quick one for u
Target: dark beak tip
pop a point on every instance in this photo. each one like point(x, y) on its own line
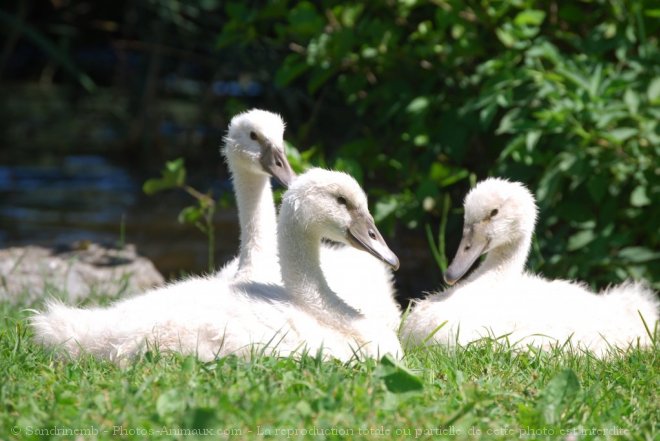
point(451, 276)
point(275, 163)
point(284, 179)
point(285, 182)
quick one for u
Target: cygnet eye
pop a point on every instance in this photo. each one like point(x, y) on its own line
point(494, 212)
point(253, 136)
point(372, 234)
point(341, 200)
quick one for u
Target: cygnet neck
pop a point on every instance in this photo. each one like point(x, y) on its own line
point(505, 260)
point(303, 278)
point(258, 223)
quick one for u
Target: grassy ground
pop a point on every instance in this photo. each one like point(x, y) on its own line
point(482, 391)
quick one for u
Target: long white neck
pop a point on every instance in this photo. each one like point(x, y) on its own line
point(505, 260)
point(258, 222)
point(302, 275)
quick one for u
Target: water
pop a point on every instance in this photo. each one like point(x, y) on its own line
point(89, 198)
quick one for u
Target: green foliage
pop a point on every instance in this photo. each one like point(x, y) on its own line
point(438, 249)
point(397, 378)
point(172, 176)
point(416, 97)
point(558, 395)
point(200, 215)
point(588, 129)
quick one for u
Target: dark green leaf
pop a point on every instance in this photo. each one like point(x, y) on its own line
point(623, 133)
point(418, 105)
point(154, 185)
point(638, 254)
point(632, 101)
point(202, 417)
point(506, 37)
point(653, 91)
point(385, 208)
point(486, 114)
point(580, 239)
point(305, 20)
point(532, 138)
point(509, 122)
point(191, 215)
point(397, 378)
point(172, 176)
point(533, 17)
point(638, 197)
point(557, 396)
point(291, 69)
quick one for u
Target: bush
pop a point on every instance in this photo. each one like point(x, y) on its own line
point(418, 99)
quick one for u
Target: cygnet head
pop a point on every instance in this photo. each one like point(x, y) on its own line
point(255, 143)
point(329, 204)
point(498, 213)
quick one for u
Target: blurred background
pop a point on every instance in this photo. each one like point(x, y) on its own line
point(416, 99)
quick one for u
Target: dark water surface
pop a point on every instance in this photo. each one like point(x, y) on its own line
point(89, 198)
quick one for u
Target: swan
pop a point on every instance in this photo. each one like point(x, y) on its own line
point(500, 298)
point(322, 204)
point(254, 150)
point(209, 319)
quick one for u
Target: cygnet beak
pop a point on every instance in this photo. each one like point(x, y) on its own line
point(363, 235)
point(275, 163)
point(473, 244)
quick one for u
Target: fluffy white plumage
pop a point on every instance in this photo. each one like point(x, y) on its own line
point(500, 299)
point(204, 317)
point(197, 316)
point(324, 204)
point(345, 268)
point(251, 136)
point(352, 271)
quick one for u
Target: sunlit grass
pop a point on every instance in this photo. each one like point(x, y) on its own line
point(484, 390)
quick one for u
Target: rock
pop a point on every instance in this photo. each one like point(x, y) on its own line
point(74, 272)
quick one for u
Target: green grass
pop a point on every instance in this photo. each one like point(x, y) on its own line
point(482, 391)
